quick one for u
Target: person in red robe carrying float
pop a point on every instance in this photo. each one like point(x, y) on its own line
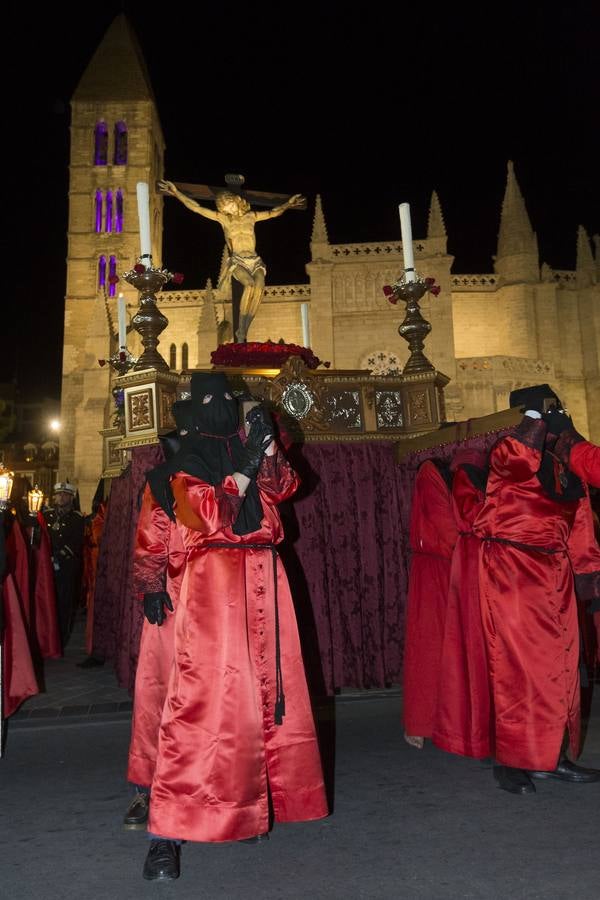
point(462, 722)
point(433, 534)
point(537, 549)
point(236, 729)
point(158, 566)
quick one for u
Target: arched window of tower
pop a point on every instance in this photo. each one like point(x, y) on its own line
point(119, 211)
point(98, 211)
point(184, 356)
point(172, 356)
point(101, 144)
point(109, 212)
point(120, 155)
point(102, 272)
point(112, 276)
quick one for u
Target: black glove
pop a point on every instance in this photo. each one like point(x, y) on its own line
point(262, 416)
point(154, 607)
point(259, 438)
point(557, 421)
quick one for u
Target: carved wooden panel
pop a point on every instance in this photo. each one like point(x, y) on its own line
point(141, 409)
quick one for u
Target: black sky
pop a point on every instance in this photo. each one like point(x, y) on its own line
point(367, 108)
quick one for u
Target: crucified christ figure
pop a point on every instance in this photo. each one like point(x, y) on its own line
point(238, 220)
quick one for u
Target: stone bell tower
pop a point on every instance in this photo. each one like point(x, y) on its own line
point(116, 141)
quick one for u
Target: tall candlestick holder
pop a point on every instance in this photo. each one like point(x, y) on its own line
point(149, 322)
point(414, 328)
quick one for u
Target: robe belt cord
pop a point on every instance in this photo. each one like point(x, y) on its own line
point(521, 546)
point(279, 711)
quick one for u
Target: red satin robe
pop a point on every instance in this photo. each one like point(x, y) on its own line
point(220, 754)
point(91, 551)
point(462, 721)
point(18, 676)
point(17, 556)
point(159, 563)
point(433, 534)
point(44, 596)
point(528, 602)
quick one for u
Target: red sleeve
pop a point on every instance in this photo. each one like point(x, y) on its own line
point(466, 497)
point(519, 456)
point(151, 547)
point(205, 508)
point(584, 554)
point(276, 479)
point(584, 460)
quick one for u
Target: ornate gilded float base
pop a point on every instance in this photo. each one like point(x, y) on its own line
point(326, 405)
point(112, 455)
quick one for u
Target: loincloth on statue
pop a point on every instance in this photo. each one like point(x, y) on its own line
point(251, 263)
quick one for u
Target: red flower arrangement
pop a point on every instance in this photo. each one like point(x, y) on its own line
point(266, 354)
point(140, 268)
point(390, 290)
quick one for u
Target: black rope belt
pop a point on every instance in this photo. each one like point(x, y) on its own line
point(520, 546)
point(279, 711)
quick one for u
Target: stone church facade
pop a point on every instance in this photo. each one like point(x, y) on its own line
point(491, 332)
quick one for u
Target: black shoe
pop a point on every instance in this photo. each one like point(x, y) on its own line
point(90, 662)
point(515, 781)
point(162, 861)
point(137, 812)
point(256, 839)
point(568, 771)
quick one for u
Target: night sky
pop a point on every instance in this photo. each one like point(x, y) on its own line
point(365, 108)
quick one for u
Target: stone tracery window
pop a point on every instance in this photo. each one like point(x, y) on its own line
point(381, 362)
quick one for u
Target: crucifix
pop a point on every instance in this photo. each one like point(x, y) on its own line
point(245, 270)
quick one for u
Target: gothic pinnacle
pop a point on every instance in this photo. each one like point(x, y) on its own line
point(435, 225)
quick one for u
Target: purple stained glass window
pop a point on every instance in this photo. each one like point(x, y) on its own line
point(109, 212)
point(120, 158)
point(102, 272)
point(101, 144)
point(119, 212)
point(98, 209)
point(112, 273)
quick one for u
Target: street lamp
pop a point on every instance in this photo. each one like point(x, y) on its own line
point(35, 499)
point(54, 425)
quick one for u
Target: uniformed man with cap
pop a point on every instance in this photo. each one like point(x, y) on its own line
point(66, 527)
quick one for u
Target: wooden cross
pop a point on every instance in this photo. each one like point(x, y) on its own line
point(234, 184)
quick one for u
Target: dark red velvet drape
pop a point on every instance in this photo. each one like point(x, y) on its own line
point(345, 556)
point(117, 614)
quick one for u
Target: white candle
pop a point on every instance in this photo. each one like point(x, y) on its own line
point(407, 246)
point(122, 321)
point(305, 325)
point(143, 203)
